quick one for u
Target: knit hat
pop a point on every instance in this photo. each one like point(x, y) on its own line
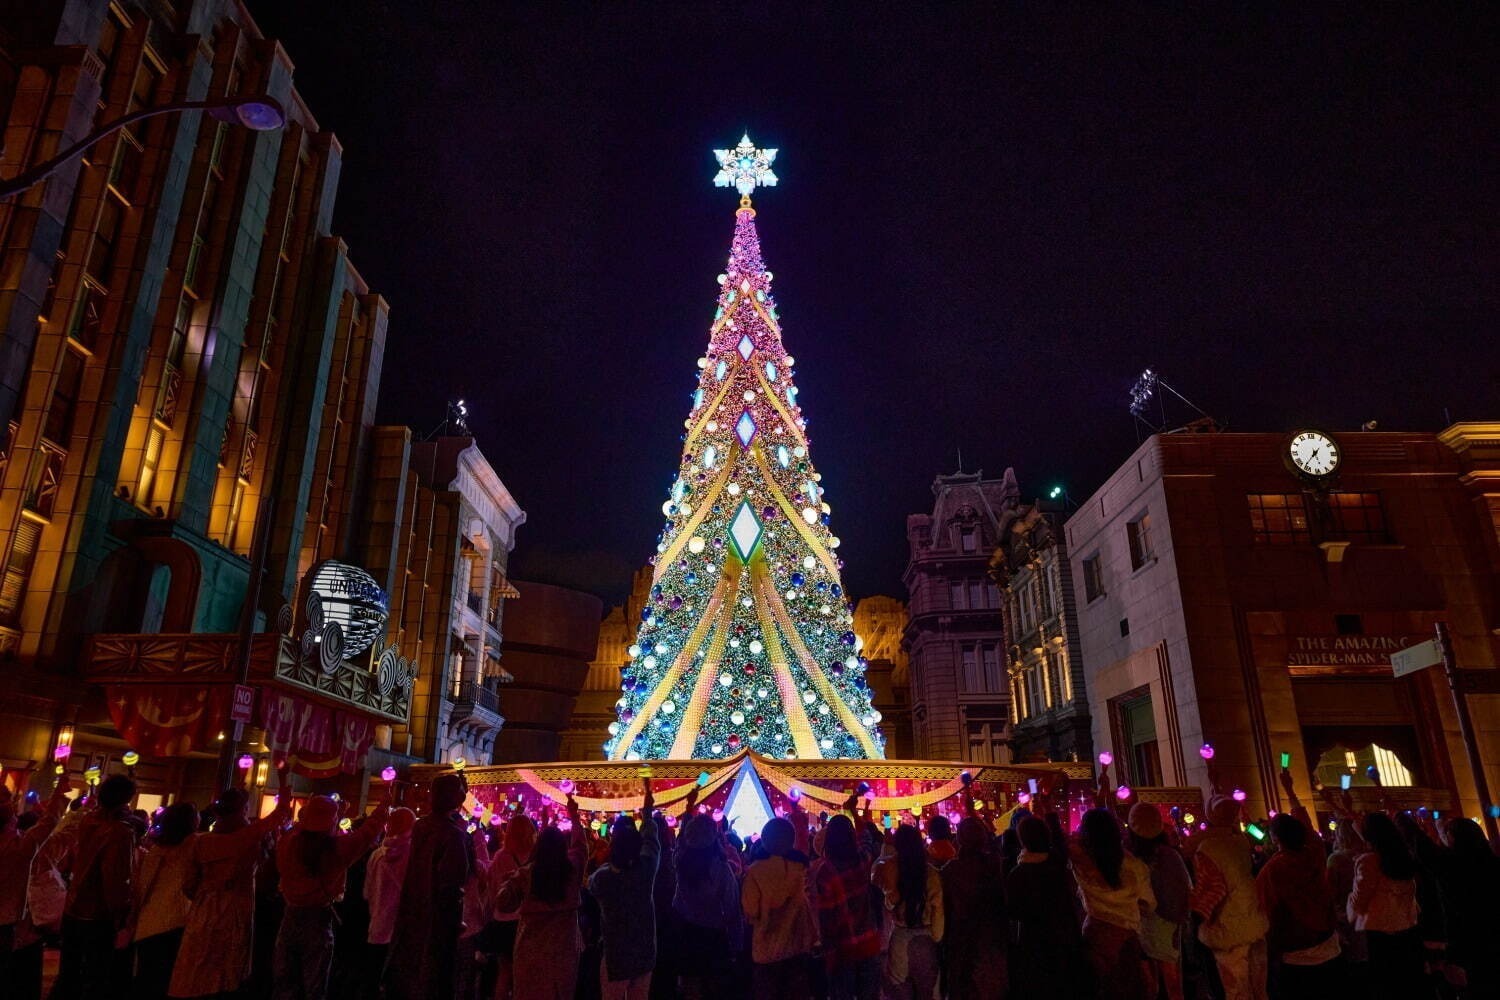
point(1223, 811)
point(1145, 821)
point(320, 814)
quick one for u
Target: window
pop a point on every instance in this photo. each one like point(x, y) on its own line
point(987, 742)
point(1139, 532)
point(1124, 627)
point(1339, 761)
point(976, 594)
point(973, 679)
point(59, 426)
point(992, 675)
point(956, 595)
point(1093, 578)
point(18, 569)
point(968, 539)
point(1137, 727)
point(1278, 519)
point(1034, 696)
point(150, 460)
point(1047, 595)
point(1028, 607)
point(87, 319)
point(1357, 517)
point(1054, 680)
point(106, 235)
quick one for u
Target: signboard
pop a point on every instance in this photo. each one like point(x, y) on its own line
point(352, 598)
point(1343, 650)
point(243, 706)
point(1414, 658)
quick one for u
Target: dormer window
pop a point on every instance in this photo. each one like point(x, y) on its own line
point(968, 539)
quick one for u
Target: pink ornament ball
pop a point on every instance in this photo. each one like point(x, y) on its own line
point(1106, 758)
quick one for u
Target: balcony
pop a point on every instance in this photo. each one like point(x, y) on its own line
point(275, 660)
point(476, 707)
point(476, 603)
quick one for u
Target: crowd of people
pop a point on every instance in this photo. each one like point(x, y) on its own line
point(1130, 904)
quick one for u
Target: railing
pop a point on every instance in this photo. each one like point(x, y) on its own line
point(476, 603)
point(213, 659)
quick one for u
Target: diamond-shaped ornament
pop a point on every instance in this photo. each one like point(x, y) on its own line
point(745, 429)
point(744, 531)
point(746, 346)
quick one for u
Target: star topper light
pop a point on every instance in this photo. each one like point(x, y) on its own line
point(744, 167)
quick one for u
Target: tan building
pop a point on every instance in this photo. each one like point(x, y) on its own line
point(595, 709)
point(1227, 596)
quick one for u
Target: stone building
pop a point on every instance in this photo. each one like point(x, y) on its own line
point(1048, 698)
point(955, 632)
point(1227, 597)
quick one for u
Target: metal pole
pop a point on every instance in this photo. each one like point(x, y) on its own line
point(1466, 732)
point(43, 170)
point(258, 547)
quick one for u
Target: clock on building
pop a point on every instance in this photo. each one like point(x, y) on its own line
point(1313, 454)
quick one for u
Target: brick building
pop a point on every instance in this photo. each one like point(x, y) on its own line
point(1225, 598)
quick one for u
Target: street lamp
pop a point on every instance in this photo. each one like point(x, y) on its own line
point(260, 114)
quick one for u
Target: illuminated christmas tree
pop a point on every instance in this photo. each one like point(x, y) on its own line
point(747, 639)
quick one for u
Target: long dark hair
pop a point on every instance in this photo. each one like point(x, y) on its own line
point(911, 874)
point(839, 845)
point(316, 851)
point(550, 867)
point(698, 851)
point(1467, 841)
point(1100, 837)
point(1385, 840)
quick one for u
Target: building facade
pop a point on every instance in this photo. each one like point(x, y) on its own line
point(881, 622)
point(1223, 599)
point(1048, 694)
point(955, 631)
point(552, 637)
point(193, 490)
point(588, 727)
point(454, 541)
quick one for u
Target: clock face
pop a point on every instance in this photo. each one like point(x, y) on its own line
point(1314, 453)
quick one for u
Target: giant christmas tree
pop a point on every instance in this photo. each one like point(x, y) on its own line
point(747, 640)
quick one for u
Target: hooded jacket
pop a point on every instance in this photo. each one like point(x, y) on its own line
point(384, 876)
point(775, 901)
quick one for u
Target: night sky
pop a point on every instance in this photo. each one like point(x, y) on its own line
point(986, 227)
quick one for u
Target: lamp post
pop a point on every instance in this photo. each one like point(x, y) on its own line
point(261, 114)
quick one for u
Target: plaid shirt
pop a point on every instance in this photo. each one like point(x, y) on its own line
point(845, 920)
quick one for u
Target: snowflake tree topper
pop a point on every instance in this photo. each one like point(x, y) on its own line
point(744, 167)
